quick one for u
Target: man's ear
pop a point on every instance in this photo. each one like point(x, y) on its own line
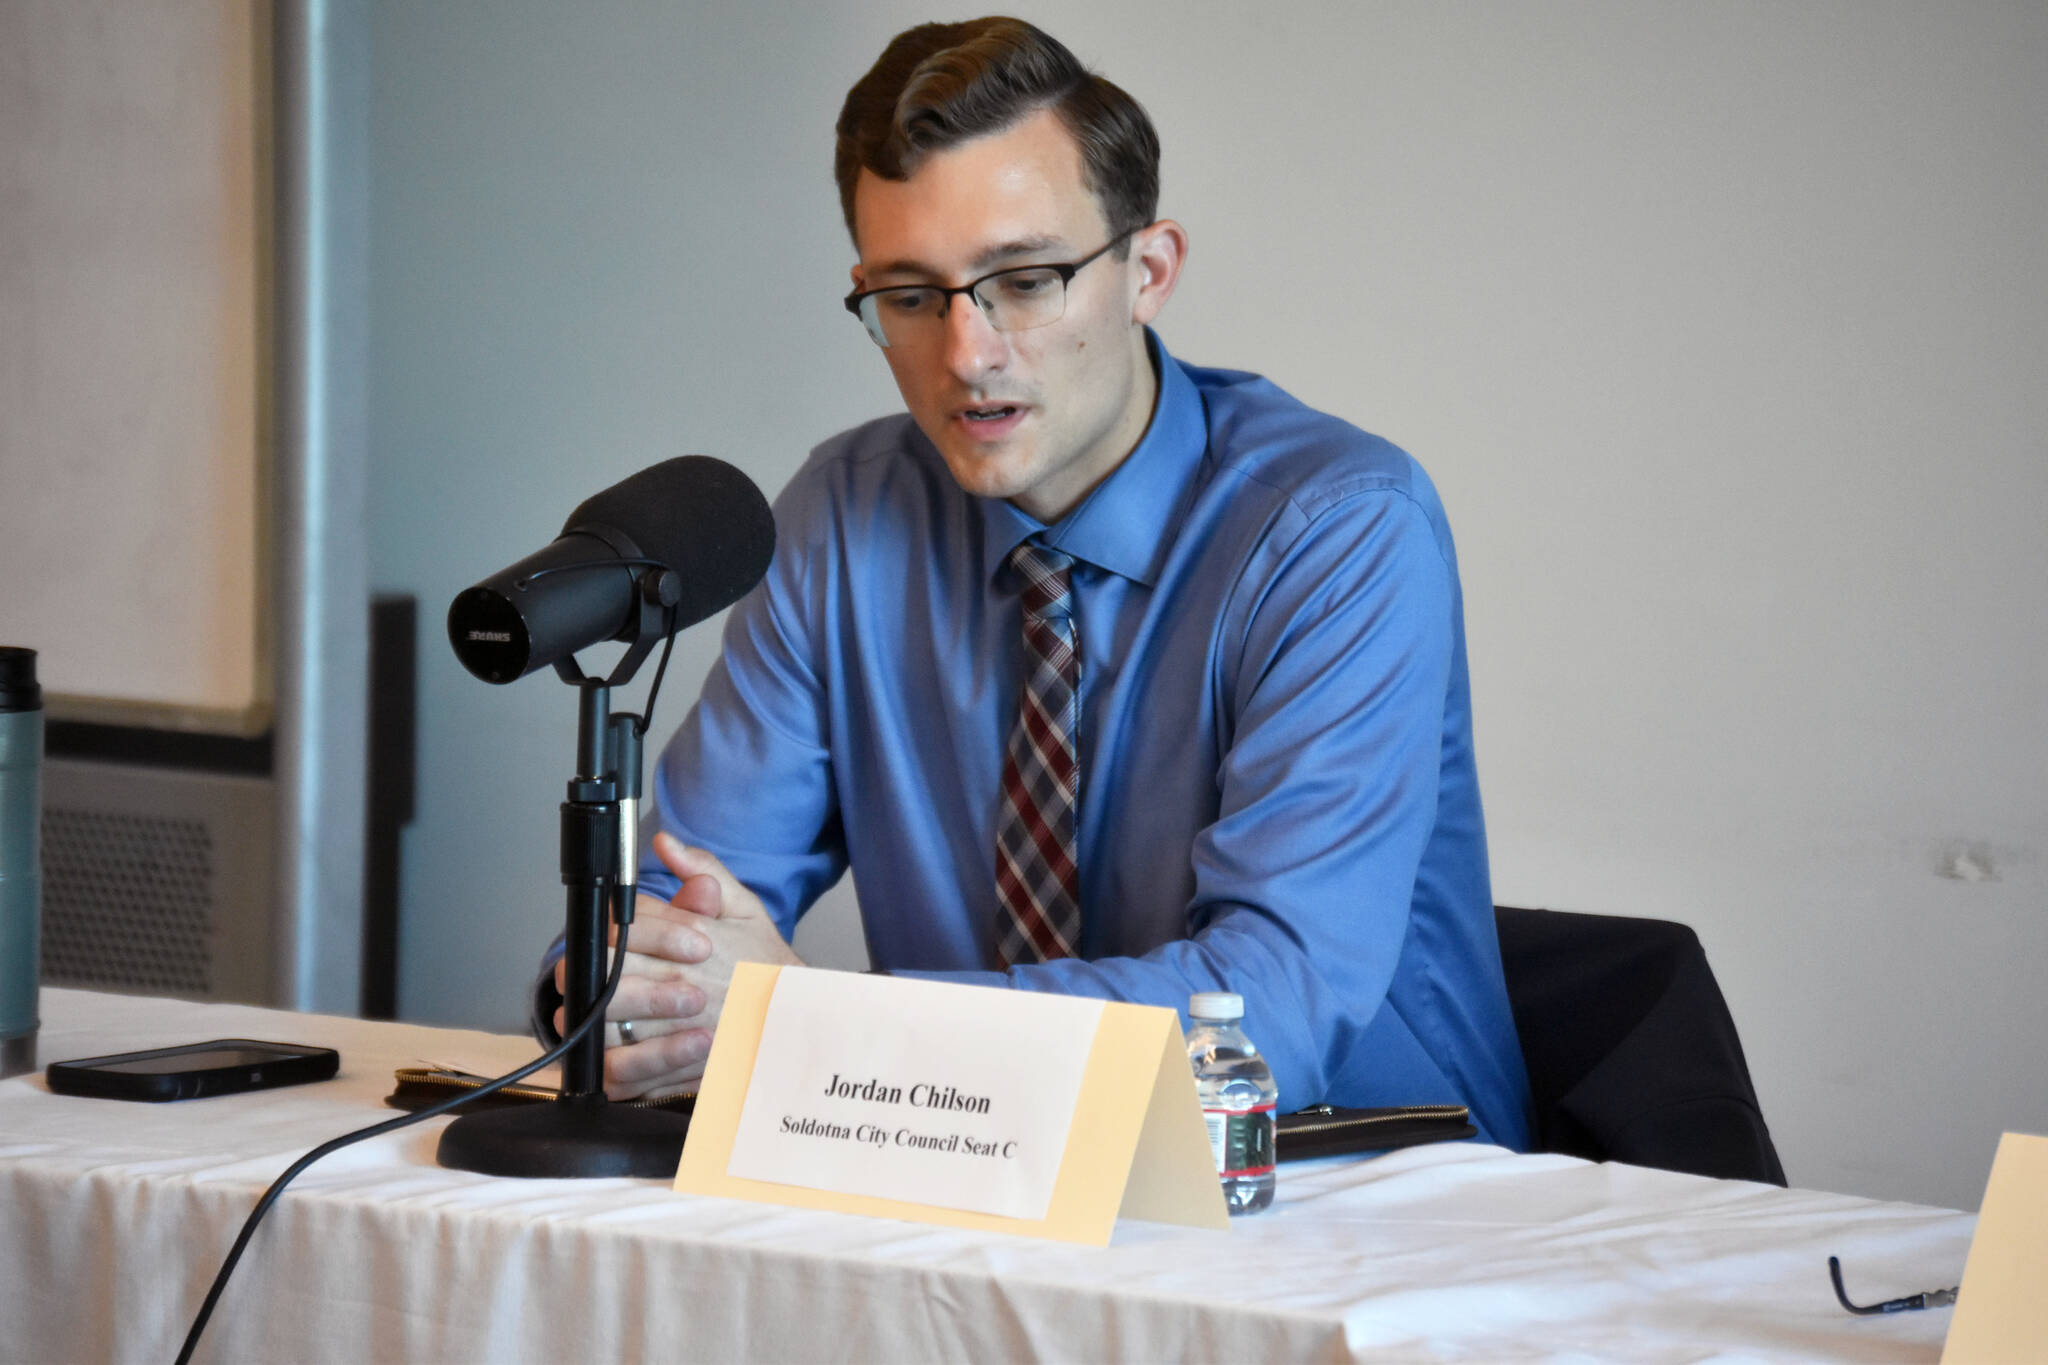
point(1157, 254)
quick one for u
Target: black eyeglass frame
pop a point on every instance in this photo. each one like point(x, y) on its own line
point(1066, 270)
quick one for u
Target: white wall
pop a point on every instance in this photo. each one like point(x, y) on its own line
point(1721, 328)
point(132, 351)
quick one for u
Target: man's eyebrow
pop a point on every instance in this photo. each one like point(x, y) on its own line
point(993, 258)
point(989, 258)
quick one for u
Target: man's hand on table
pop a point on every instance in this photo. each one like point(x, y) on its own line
point(679, 962)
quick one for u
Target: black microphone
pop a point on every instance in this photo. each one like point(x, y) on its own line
point(698, 518)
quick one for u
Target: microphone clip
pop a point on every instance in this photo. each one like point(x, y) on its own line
point(659, 589)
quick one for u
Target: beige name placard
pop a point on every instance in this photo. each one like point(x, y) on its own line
point(2001, 1314)
point(1005, 1111)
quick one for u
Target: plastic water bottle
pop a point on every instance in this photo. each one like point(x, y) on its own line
point(1239, 1099)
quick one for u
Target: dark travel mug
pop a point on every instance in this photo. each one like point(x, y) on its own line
point(21, 862)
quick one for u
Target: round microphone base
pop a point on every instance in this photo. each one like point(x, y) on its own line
point(581, 1137)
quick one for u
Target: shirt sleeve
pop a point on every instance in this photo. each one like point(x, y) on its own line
point(1335, 711)
point(748, 775)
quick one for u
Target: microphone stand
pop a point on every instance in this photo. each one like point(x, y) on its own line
point(581, 1133)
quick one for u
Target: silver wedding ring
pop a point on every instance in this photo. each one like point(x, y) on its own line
point(626, 1031)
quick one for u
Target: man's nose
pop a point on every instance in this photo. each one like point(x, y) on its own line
point(974, 348)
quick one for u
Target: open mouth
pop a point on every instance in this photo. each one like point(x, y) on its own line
point(990, 414)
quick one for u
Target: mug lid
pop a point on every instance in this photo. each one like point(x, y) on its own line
point(19, 690)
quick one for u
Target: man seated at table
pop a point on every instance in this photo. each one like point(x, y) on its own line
point(1104, 673)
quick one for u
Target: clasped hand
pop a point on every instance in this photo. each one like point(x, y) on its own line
point(680, 955)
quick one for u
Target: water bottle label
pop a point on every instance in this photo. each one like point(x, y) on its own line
point(1242, 1140)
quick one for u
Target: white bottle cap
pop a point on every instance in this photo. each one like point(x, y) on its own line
point(1219, 1006)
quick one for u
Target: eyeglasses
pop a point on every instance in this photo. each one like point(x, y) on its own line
point(1013, 300)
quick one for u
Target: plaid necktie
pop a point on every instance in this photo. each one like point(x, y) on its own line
point(1037, 880)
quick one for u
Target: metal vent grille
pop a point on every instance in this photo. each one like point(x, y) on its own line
point(128, 901)
point(159, 881)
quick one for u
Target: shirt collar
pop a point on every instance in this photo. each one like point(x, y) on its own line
point(1124, 525)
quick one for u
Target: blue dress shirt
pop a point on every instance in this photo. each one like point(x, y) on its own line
point(1278, 795)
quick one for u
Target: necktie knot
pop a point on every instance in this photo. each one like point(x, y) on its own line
point(1047, 578)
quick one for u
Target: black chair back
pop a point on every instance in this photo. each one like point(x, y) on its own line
point(1632, 1053)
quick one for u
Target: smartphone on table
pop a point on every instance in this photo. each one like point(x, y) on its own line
point(223, 1066)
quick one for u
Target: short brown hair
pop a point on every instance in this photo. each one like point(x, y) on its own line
point(938, 85)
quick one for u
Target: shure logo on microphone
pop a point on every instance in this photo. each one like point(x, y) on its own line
point(496, 637)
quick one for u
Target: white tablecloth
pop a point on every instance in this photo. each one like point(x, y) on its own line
point(115, 1216)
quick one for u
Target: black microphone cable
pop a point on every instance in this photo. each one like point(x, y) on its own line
point(654, 689)
point(270, 1195)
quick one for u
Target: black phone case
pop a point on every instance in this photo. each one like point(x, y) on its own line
point(289, 1064)
point(1324, 1131)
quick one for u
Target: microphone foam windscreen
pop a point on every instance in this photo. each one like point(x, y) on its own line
point(697, 515)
